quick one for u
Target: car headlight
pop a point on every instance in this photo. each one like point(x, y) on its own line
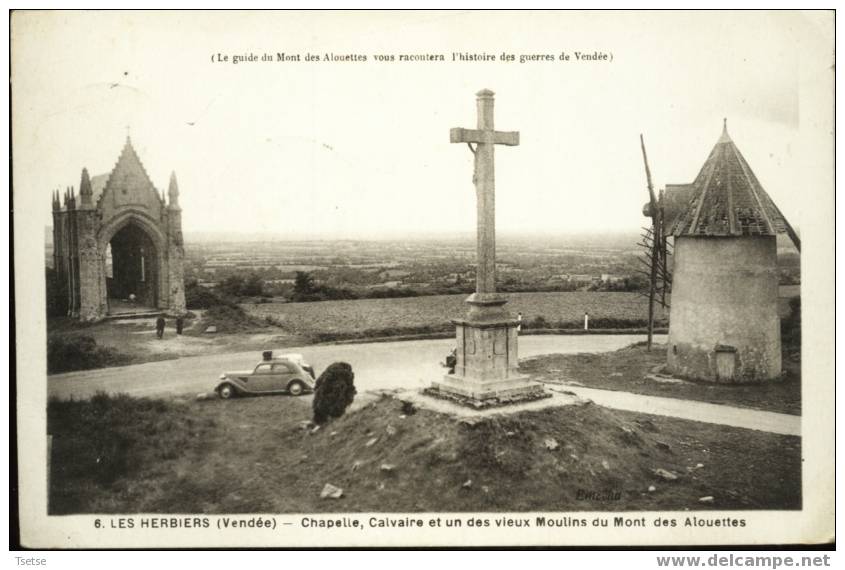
point(222, 376)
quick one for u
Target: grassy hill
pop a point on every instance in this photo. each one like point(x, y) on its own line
point(124, 455)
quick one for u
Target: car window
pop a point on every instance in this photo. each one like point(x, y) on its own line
point(263, 369)
point(282, 368)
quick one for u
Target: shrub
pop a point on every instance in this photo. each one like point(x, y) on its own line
point(229, 317)
point(790, 327)
point(333, 393)
point(56, 295)
point(68, 353)
point(303, 283)
point(391, 293)
point(198, 297)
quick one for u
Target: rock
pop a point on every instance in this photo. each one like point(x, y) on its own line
point(652, 488)
point(387, 467)
point(665, 475)
point(663, 445)
point(356, 465)
point(467, 484)
point(470, 422)
point(551, 444)
point(371, 442)
point(391, 430)
point(616, 374)
point(332, 434)
point(315, 429)
point(331, 492)
point(381, 486)
point(568, 393)
point(211, 329)
point(203, 396)
point(647, 424)
point(573, 456)
point(409, 408)
point(630, 436)
point(402, 416)
point(706, 500)
point(605, 464)
point(308, 424)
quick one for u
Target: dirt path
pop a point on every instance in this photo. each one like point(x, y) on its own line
point(784, 424)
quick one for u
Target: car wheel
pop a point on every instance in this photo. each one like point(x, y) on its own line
point(226, 391)
point(296, 388)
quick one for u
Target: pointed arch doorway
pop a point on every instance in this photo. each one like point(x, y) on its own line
point(132, 270)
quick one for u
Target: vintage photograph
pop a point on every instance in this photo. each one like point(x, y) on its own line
point(363, 278)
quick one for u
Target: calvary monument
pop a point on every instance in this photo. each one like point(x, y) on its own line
point(487, 369)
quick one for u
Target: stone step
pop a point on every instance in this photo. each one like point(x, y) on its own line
point(146, 314)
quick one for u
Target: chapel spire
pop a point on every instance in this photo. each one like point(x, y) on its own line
point(173, 192)
point(85, 192)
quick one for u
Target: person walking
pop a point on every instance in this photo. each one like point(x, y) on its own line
point(180, 322)
point(160, 326)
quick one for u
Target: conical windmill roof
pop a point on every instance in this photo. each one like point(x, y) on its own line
point(728, 200)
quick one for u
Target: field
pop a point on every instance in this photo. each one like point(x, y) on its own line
point(377, 317)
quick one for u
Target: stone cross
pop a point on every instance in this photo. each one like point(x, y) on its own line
point(485, 137)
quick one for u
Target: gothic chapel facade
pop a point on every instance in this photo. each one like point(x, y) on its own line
point(117, 245)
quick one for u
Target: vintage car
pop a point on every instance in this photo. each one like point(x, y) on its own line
point(282, 374)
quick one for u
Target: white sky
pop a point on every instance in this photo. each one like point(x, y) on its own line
point(357, 149)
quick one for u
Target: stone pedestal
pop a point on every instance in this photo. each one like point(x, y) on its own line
point(487, 370)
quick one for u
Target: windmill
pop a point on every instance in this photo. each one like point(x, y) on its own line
point(656, 250)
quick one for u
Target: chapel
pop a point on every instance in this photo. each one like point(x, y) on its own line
point(117, 243)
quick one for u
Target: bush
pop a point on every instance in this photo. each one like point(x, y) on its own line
point(391, 293)
point(250, 285)
point(68, 353)
point(56, 295)
point(323, 293)
point(198, 297)
point(790, 328)
point(333, 393)
point(229, 317)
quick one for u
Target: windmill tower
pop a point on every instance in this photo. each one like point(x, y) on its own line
point(724, 324)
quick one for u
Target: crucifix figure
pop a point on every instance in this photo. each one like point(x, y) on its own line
point(485, 138)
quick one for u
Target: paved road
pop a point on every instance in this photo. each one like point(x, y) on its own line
point(386, 365)
point(406, 365)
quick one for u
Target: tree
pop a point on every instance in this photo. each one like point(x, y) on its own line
point(253, 286)
point(231, 285)
point(303, 283)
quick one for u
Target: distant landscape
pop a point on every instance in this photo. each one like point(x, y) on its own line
point(424, 265)
point(248, 292)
